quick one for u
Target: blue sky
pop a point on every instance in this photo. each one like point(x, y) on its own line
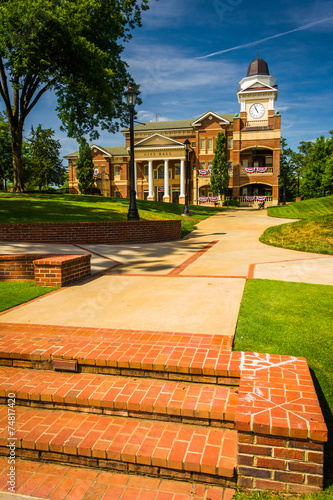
point(166, 56)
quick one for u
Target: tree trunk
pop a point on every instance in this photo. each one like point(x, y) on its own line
point(18, 180)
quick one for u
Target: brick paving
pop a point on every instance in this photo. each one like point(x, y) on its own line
point(59, 482)
point(127, 396)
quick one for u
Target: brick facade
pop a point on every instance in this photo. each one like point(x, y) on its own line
point(107, 233)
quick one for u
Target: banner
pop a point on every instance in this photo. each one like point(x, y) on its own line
point(203, 200)
point(97, 174)
point(213, 199)
point(251, 170)
point(204, 172)
point(261, 198)
point(250, 198)
point(161, 189)
point(261, 170)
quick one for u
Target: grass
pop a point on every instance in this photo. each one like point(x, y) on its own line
point(270, 495)
point(25, 207)
point(313, 233)
point(303, 209)
point(294, 319)
point(307, 235)
point(15, 293)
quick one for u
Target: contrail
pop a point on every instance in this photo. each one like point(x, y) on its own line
point(250, 44)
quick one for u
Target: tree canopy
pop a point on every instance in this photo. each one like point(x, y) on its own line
point(45, 161)
point(73, 47)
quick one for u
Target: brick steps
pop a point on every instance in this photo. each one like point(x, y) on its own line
point(169, 356)
point(142, 398)
point(60, 482)
point(160, 449)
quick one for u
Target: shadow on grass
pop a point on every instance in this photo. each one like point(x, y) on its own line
point(328, 416)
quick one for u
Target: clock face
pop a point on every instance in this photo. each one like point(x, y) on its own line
point(257, 110)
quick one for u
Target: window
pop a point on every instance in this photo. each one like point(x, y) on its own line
point(210, 144)
point(159, 172)
point(245, 165)
point(146, 171)
point(210, 164)
point(194, 144)
point(203, 165)
point(230, 143)
point(117, 171)
point(103, 169)
point(203, 144)
point(96, 171)
point(177, 169)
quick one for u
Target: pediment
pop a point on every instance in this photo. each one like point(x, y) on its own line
point(158, 140)
point(211, 115)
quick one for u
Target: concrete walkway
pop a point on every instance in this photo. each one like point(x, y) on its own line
point(193, 286)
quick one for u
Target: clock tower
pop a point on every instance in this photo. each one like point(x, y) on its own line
point(256, 137)
point(257, 94)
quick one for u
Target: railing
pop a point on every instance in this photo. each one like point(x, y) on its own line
point(243, 199)
point(269, 170)
point(256, 123)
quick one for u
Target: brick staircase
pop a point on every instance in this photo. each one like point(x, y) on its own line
point(161, 407)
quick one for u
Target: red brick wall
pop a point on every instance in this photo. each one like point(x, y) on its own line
point(61, 270)
point(92, 232)
point(280, 464)
point(18, 267)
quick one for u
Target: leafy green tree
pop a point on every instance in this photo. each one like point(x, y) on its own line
point(6, 169)
point(219, 179)
point(74, 48)
point(46, 163)
point(316, 179)
point(85, 168)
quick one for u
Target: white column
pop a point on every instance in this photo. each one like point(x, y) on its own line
point(166, 181)
point(182, 177)
point(150, 180)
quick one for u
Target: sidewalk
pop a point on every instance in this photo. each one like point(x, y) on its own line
point(140, 286)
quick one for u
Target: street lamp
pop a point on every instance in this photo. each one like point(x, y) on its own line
point(131, 96)
point(197, 190)
point(187, 145)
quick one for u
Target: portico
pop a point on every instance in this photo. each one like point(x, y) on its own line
point(160, 169)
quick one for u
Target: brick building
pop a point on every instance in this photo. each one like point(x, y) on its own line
point(253, 151)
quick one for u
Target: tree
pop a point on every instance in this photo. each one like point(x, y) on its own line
point(73, 48)
point(6, 170)
point(316, 177)
point(46, 163)
point(219, 179)
point(85, 168)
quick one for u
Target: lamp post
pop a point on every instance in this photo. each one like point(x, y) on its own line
point(131, 96)
point(187, 145)
point(197, 190)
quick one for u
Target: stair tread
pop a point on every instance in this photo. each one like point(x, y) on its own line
point(53, 481)
point(169, 352)
point(170, 445)
point(142, 395)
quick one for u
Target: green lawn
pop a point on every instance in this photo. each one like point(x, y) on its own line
point(75, 208)
point(313, 233)
point(294, 319)
point(12, 294)
point(303, 209)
